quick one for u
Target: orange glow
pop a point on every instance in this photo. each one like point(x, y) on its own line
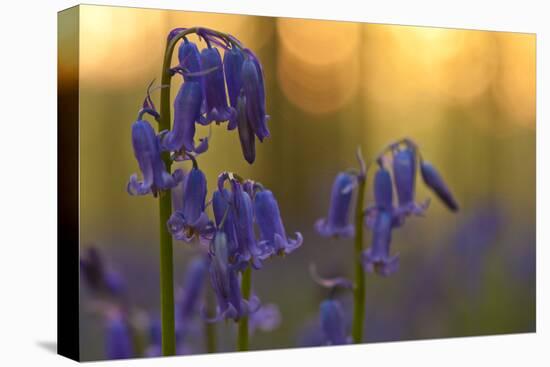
point(117, 45)
point(515, 89)
point(319, 42)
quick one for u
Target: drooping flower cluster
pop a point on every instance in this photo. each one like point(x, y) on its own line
point(219, 89)
point(397, 169)
point(235, 245)
point(201, 99)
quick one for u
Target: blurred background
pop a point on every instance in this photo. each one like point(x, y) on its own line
point(466, 97)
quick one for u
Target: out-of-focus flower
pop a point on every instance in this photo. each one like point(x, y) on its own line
point(272, 230)
point(404, 174)
point(214, 87)
point(267, 318)
point(226, 284)
point(192, 220)
point(254, 92)
point(333, 322)
point(383, 192)
point(118, 339)
point(434, 181)
point(337, 223)
point(147, 152)
point(190, 294)
point(98, 278)
point(377, 258)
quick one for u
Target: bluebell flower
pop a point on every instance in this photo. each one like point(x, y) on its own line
point(147, 152)
point(154, 348)
point(189, 61)
point(192, 288)
point(226, 284)
point(377, 258)
point(224, 217)
point(233, 59)
point(333, 322)
point(97, 276)
point(118, 340)
point(272, 230)
point(404, 173)
point(214, 87)
point(249, 248)
point(267, 318)
point(246, 131)
point(383, 190)
point(187, 110)
point(434, 181)
point(254, 92)
point(192, 220)
point(337, 223)
point(177, 193)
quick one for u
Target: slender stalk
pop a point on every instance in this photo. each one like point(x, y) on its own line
point(242, 340)
point(359, 286)
point(165, 203)
point(165, 208)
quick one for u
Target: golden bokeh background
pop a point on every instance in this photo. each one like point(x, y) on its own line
point(466, 97)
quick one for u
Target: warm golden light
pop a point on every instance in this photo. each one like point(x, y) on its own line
point(319, 42)
point(117, 45)
point(515, 89)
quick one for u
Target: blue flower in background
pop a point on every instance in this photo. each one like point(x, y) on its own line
point(267, 318)
point(191, 293)
point(214, 87)
point(337, 223)
point(404, 174)
point(118, 340)
point(377, 258)
point(434, 181)
point(97, 276)
point(381, 220)
point(226, 284)
point(272, 230)
point(192, 220)
point(147, 152)
point(383, 191)
point(333, 322)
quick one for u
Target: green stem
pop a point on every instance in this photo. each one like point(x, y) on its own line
point(166, 278)
point(359, 286)
point(165, 208)
point(242, 341)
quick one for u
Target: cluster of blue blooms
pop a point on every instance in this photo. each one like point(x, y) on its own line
point(202, 99)
point(397, 167)
point(214, 89)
